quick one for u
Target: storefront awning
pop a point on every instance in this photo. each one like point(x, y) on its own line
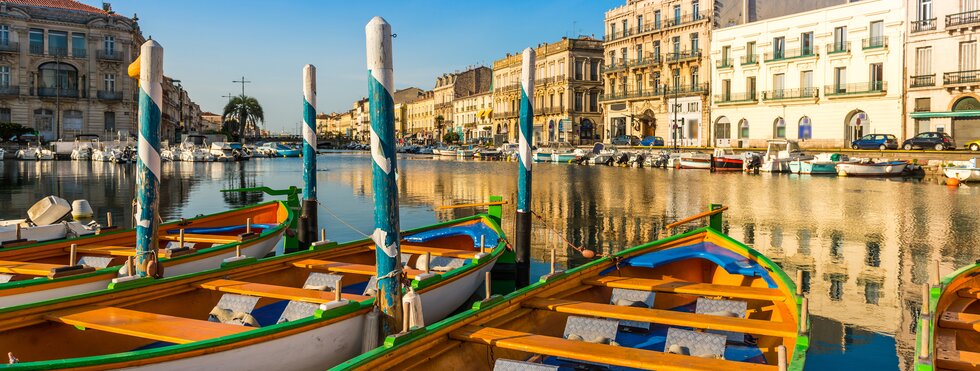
point(481, 114)
point(927, 115)
point(489, 113)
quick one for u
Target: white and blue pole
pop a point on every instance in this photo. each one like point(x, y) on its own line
point(522, 249)
point(308, 220)
point(382, 110)
point(148, 160)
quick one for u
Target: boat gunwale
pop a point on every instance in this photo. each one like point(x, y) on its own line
point(935, 294)
point(320, 319)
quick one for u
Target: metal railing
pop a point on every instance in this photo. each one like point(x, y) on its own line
point(78, 53)
point(109, 55)
point(109, 95)
point(613, 67)
point(9, 46)
point(856, 88)
point(10, 90)
point(790, 54)
point(57, 92)
point(781, 94)
point(59, 52)
point(839, 47)
point(685, 19)
point(922, 80)
point(962, 19)
point(686, 89)
point(37, 49)
point(874, 42)
point(683, 56)
point(736, 97)
point(724, 63)
point(650, 59)
point(750, 59)
point(961, 77)
point(924, 25)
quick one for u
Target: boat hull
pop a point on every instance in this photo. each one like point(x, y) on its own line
point(728, 164)
point(695, 163)
point(963, 174)
point(563, 157)
point(813, 167)
point(884, 169)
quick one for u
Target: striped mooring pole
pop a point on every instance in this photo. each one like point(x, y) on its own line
point(382, 110)
point(308, 220)
point(150, 74)
point(522, 249)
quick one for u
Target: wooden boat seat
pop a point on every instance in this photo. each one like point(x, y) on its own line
point(595, 353)
point(106, 250)
point(275, 291)
point(949, 357)
point(959, 320)
point(205, 238)
point(436, 251)
point(342, 267)
point(665, 317)
point(28, 268)
point(146, 325)
point(688, 288)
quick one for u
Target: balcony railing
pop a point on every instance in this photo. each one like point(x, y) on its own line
point(839, 47)
point(790, 54)
point(443, 105)
point(685, 19)
point(683, 56)
point(924, 25)
point(10, 47)
point(687, 89)
point(615, 66)
point(782, 94)
point(922, 80)
point(57, 92)
point(78, 53)
point(750, 59)
point(874, 42)
point(109, 95)
point(735, 97)
point(58, 52)
point(961, 77)
point(724, 63)
point(109, 55)
point(963, 19)
point(650, 59)
point(37, 49)
point(9, 91)
point(856, 88)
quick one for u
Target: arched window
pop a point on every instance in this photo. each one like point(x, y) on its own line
point(743, 129)
point(779, 128)
point(723, 128)
point(58, 79)
point(967, 104)
point(806, 128)
point(73, 120)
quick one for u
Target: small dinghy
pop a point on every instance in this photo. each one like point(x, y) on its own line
point(871, 169)
point(947, 336)
point(44, 271)
point(304, 311)
point(695, 301)
point(695, 160)
point(965, 172)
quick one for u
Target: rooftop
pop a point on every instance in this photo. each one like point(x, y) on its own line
point(60, 4)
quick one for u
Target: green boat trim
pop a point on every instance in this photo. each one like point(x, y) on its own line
point(320, 316)
point(796, 363)
point(934, 294)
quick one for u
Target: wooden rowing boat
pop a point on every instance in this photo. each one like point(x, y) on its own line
point(700, 293)
point(948, 336)
point(44, 271)
point(167, 324)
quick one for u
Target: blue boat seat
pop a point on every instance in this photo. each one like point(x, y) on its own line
point(718, 307)
point(474, 231)
point(628, 297)
point(698, 344)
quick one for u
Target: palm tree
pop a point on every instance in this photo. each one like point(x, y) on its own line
point(245, 110)
point(439, 120)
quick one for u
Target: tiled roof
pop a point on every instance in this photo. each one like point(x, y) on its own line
point(59, 4)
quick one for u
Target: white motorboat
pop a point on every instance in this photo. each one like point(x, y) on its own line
point(695, 160)
point(84, 145)
point(46, 220)
point(465, 152)
point(725, 159)
point(2, 154)
point(604, 154)
point(35, 153)
point(195, 148)
point(445, 151)
point(779, 154)
point(822, 163)
point(965, 172)
point(222, 151)
point(109, 153)
point(871, 169)
point(170, 154)
point(239, 151)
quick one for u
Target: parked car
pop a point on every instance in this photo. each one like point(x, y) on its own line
point(652, 141)
point(973, 145)
point(930, 139)
point(876, 141)
point(626, 140)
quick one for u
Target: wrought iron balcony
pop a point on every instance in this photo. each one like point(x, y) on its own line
point(779, 55)
point(874, 42)
point(687, 55)
point(856, 88)
point(79, 53)
point(962, 77)
point(616, 66)
point(839, 47)
point(750, 59)
point(109, 95)
point(687, 89)
point(37, 49)
point(686, 19)
point(922, 80)
point(958, 20)
point(109, 55)
point(9, 47)
point(648, 60)
point(57, 52)
point(9, 91)
point(724, 63)
point(783, 94)
point(57, 92)
point(736, 97)
point(924, 25)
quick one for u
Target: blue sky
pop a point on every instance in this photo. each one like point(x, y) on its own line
point(210, 43)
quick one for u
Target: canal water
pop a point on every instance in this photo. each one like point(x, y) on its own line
point(865, 245)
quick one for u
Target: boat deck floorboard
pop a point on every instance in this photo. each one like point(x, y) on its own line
point(146, 325)
point(276, 292)
point(689, 288)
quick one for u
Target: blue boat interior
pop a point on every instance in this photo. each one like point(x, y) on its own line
point(472, 230)
point(726, 259)
point(226, 229)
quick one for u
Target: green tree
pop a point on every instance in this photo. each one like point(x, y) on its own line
point(451, 137)
point(9, 130)
point(246, 111)
point(439, 120)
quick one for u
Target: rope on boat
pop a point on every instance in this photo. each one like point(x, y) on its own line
point(341, 220)
point(588, 254)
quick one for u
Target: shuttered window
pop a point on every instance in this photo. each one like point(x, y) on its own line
point(968, 56)
point(923, 61)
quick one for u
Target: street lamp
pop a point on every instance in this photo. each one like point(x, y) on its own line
point(180, 111)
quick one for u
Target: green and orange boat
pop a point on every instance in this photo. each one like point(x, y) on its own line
point(949, 322)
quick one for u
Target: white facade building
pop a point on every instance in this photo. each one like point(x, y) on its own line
point(824, 77)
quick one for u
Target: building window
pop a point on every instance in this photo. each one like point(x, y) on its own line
point(840, 79)
point(656, 49)
point(578, 101)
point(723, 128)
point(694, 43)
point(743, 129)
point(677, 78)
point(750, 86)
point(695, 10)
point(677, 46)
point(58, 43)
point(594, 71)
point(612, 31)
point(778, 48)
point(78, 45)
point(639, 23)
point(968, 55)
point(840, 39)
point(639, 83)
point(110, 82)
point(806, 129)
point(877, 77)
point(5, 115)
point(626, 28)
point(579, 68)
point(968, 5)
point(656, 80)
point(923, 61)
point(623, 55)
point(109, 43)
point(923, 104)
point(656, 19)
point(4, 35)
point(806, 80)
point(779, 128)
point(60, 76)
point(36, 37)
point(726, 90)
point(4, 78)
point(925, 10)
point(877, 34)
point(778, 84)
point(725, 52)
point(593, 101)
point(72, 120)
point(806, 43)
point(109, 121)
point(694, 77)
point(612, 58)
point(677, 14)
point(639, 52)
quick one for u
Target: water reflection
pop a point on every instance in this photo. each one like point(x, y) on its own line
point(863, 246)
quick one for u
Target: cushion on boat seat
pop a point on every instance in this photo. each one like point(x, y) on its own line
point(4, 278)
point(723, 308)
point(97, 262)
point(440, 263)
point(405, 258)
point(592, 330)
point(297, 310)
point(371, 288)
point(235, 309)
point(698, 344)
point(176, 245)
point(633, 298)
point(322, 281)
point(512, 365)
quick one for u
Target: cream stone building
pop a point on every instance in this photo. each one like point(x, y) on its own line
point(210, 122)
point(63, 68)
point(944, 76)
point(657, 70)
point(824, 77)
point(452, 86)
point(469, 116)
point(567, 87)
point(421, 118)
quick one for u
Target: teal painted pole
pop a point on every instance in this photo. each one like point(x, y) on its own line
point(382, 110)
point(308, 220)
point(522, 248)
point(148, 160)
